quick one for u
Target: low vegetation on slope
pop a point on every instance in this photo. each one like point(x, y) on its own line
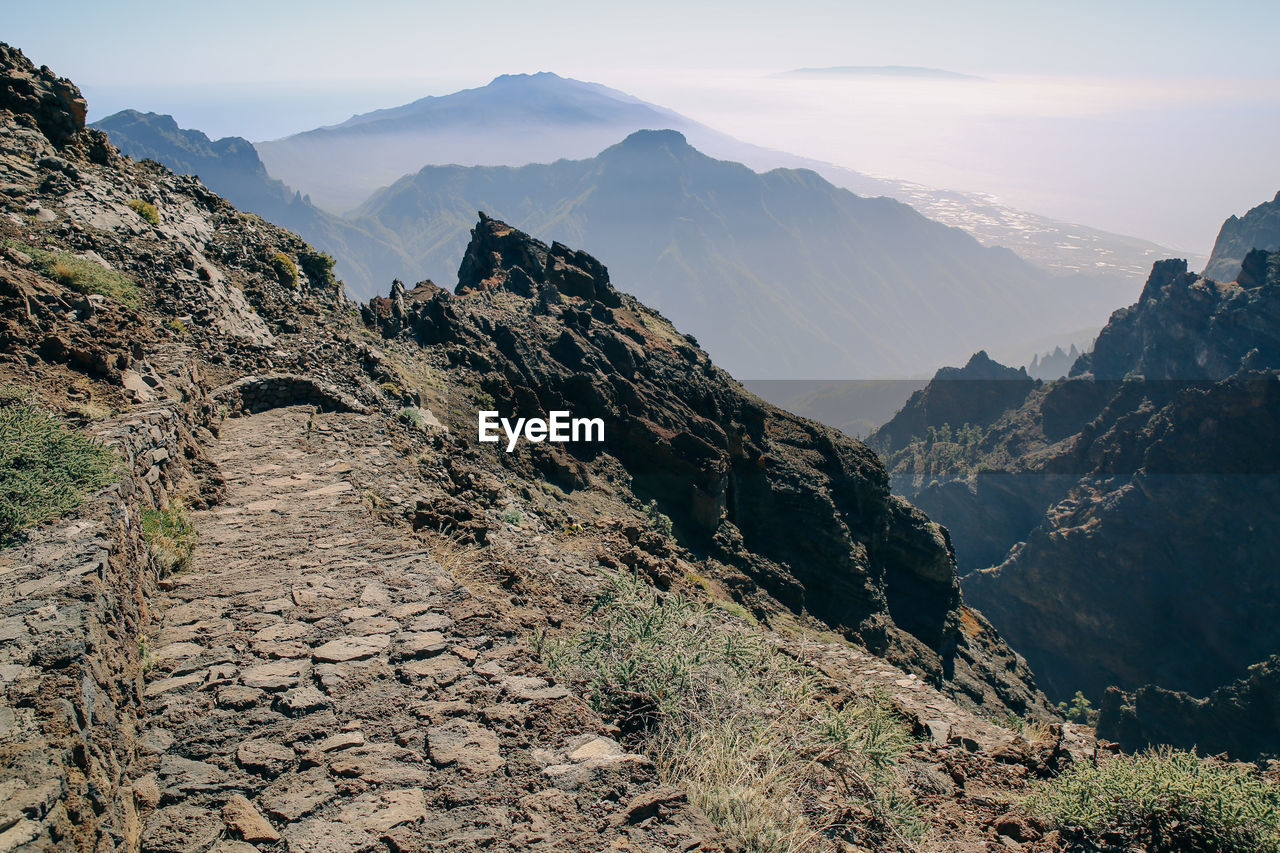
point(81, 274)
point(1167, 800)
point(45, 468)
point(748, 731)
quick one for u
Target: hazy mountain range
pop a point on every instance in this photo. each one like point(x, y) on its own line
point(539, 118)
point(516, 119)
point(815, 281)
point(781, 274)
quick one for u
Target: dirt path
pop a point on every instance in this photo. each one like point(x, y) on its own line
point(322, 684)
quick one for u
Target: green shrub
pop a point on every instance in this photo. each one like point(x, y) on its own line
point(146, 210)
point(736, 610)
point(286, 271)
point(171, 535)
point(45, 468)
point(511, 515)
point(748, 731)
point(411, 417)
point(658, 521)
point(1080, 710)
point(318, 266)
point(1172, 799)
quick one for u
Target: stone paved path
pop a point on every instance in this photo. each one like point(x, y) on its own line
point(321, 683)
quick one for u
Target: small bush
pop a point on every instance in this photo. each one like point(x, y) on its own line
point(745, 729)
point(1080, 710)
point(286, 271)
point(511, 515)
point(318, 266)
point(658, 521)
point(735, 610)
point(178, 327)
point(146, 210)
point(1167, 800)
point(411, 417)
point(45, 468)
point(171, 535)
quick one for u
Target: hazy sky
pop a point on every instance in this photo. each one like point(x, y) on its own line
point(1151, 118)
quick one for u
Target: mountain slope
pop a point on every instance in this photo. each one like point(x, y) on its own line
point(1257, 229)
point(539, 118)
point(782, 275)
point(231, 168)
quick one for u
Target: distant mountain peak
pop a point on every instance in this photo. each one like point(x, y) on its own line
point(981, 367)
point(156, 123)
point(647, 139)
point(503, 79)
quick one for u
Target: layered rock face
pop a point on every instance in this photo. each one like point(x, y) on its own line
point(1119, 523)
point(792, 508)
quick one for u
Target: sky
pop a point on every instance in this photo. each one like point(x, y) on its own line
point(1156, 119)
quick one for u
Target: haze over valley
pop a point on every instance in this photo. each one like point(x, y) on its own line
point(793, 276)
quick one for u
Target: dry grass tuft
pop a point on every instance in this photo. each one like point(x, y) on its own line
point(751, 733)
point(171, 536)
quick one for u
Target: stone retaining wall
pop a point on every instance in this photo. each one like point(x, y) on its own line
point(73, 610)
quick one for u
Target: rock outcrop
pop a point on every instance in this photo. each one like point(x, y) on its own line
point(976, 394)
point(792, 508)
point(1257, 229)
point(53, 103)
point(1241, 718)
